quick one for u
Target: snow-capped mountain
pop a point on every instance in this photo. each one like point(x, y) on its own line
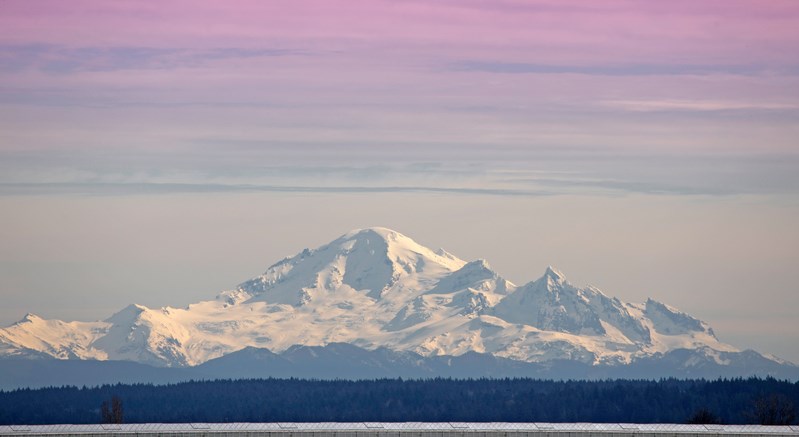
point(378, 290)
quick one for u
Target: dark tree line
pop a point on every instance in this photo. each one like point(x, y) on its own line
point(394, 400)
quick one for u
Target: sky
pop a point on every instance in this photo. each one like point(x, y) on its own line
point(160, 152)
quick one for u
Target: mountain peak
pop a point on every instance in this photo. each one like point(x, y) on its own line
point(385, 233)
point(127, 314)
point(29, 318)
point(379, 236)
point(478, 264)
point(554, 275)
point(375, 238)
point(670, 320)
point(372, 260)
point(475, 275)
point(389, 236)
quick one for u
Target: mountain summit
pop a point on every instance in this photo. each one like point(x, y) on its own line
point(365, 260)
point(379, 290)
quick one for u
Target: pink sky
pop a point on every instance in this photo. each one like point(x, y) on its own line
point(467, 72)
point(573, 32)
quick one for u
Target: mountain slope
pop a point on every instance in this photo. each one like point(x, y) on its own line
point(378, 290)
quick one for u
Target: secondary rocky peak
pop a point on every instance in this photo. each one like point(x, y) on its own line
point(476, 271)
point(127, 315)
point(478, 265)
point(29, 317)
point(554, 275)
point(476, 275)
point(671, 321)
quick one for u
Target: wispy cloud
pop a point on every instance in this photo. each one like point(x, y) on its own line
point(697, 105)
point(614, 70)
point(115, 189)
point(595, 186)
point(55, 59)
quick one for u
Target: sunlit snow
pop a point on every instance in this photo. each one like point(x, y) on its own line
point(376, 287)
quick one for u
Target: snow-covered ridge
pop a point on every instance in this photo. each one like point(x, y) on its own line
point(377, 288)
